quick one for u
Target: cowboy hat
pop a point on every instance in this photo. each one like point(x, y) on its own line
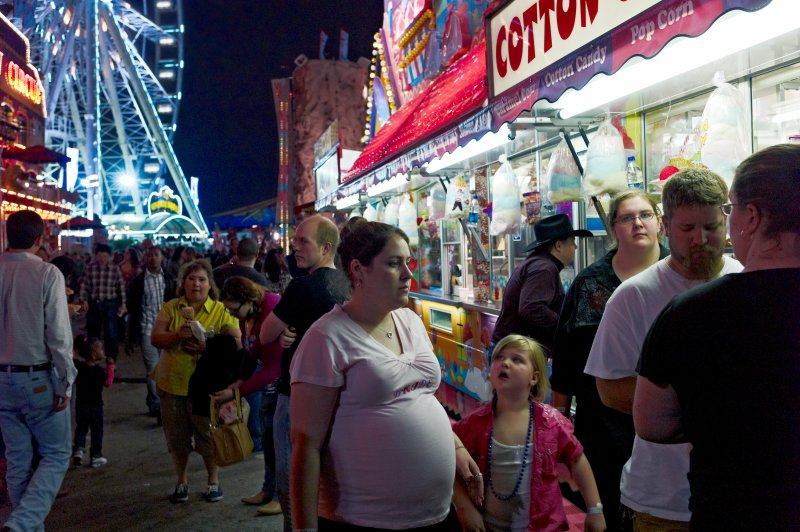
point(556, 227)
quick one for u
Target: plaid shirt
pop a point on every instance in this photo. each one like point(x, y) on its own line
point(102, 283)
point(152, 300)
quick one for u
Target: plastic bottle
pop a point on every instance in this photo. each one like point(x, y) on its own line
point(634, 175)
point(474, 210)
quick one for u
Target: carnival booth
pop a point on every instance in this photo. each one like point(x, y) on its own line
point(583, 100)
point(22, 116)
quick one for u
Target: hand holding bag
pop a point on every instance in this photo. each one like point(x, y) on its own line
point(232, 442)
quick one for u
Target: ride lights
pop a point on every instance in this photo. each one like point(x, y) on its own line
point(164, 108)
point(472, 149)
point(167, 41)
point(166, 74)
point(164, 4)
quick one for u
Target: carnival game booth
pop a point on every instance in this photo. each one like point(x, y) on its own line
point(22, 136)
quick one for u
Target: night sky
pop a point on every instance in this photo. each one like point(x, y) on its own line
point(226, 132)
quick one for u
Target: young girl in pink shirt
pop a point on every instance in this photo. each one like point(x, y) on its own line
point(517, 441)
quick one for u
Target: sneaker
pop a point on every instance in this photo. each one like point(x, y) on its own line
point(271, 508)
point(213, 493)
point(77, 457)
point(181, 493)
point(99, 461)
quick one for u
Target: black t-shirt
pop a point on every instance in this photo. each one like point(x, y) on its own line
point(731, 351)
point(226, 271)
point(305, 300)
point(89, 384)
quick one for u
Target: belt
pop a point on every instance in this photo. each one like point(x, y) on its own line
point(13, 368)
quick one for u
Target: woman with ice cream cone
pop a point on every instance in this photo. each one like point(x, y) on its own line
point(180, 331)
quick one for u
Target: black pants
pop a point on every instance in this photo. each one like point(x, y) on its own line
point(102, 315)
point(89, 417)
point(450, 524)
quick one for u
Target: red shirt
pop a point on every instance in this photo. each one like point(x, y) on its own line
point(553, 442)
point(269, 354)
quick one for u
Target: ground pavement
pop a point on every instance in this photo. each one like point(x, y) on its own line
point(131, 491)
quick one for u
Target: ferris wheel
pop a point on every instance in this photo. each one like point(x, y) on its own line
point(112, 72)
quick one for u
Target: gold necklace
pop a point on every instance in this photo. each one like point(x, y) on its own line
point(389, 334)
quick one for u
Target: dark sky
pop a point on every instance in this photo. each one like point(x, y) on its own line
point(226, 132)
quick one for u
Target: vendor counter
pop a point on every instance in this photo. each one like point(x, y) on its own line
point(460, 332)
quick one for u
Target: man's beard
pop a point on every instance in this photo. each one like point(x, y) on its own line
point(703, 262)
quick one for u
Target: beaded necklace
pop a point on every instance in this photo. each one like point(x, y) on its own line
point(528, 439)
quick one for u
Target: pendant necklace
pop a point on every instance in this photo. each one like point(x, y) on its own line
point(389, 334)
point(524, 458)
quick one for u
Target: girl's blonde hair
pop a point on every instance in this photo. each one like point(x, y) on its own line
point(536, 357)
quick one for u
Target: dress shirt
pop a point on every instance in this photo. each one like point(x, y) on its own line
point(152, 299)
point(102, 283)
point(35, 327)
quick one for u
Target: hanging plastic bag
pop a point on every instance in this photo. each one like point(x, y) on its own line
point(370, 214)
point(380, 209)
point(563, 177)
point(605, 162)
point(457, 204)
point(437, 203)
point(456, 37)
point(392, 215)
point(505, 200)
point(433, 56)
point(408, 220)
point(723, 130)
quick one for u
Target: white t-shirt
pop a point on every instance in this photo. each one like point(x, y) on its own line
point(654, 478)
point(390, 459)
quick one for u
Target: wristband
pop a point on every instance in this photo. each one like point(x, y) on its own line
point(460, 447)
point(596, 509)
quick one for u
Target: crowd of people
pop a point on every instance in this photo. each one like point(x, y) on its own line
point(682, 363)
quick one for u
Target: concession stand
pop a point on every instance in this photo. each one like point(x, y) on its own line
point(550, 108)
point(22, 136)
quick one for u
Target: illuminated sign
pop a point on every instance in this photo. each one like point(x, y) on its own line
point(164, 200)
point(527, 36)
point(22, 82)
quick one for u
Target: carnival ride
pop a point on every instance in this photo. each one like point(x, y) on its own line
point(112, 73)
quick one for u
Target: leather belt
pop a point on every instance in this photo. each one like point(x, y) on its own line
point(13, 368)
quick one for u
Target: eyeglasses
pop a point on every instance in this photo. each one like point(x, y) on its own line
point(628, 219)
point(235, 312)
point(727, 208)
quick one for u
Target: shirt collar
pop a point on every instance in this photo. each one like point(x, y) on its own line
point(208, 305)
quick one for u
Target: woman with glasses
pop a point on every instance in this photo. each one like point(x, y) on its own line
point(251, 304)
point(606, 434)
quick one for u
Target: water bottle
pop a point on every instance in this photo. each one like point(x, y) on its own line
point(474, 210)
point(634, 174)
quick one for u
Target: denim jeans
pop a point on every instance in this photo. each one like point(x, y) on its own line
point(103, 315)
point(282, 436)
point(269, 399)
point(254, 420)
point(26, 416)
point(89, 417)
point(150, 355)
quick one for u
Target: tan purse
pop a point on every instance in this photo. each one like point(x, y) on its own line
point(232, 442)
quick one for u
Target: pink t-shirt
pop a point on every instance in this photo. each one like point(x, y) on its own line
point(390, 460)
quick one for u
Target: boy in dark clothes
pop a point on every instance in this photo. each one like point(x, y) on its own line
point(89, 401)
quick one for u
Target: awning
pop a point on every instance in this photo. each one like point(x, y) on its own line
point(81, 222)
point(34, 155)
point(454, 95)
point(261, 213)
point(644, 36)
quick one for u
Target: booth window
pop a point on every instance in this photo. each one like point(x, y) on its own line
point(22, 137)
point(776, 107)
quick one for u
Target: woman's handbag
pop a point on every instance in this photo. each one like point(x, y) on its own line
point(232, 442)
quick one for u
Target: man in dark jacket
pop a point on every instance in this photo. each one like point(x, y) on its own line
point(534, 294)
point(146, 293)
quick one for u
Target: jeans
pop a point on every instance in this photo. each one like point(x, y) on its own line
point(103, 315)
point(269, 399)
point(89, 417)
point(150, 355)
point(26, 416)
point(282, 436)
point(254, 420)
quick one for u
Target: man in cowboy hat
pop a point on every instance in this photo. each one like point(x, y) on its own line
point(534, 294)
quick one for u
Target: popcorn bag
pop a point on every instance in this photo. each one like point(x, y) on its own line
point(563, 177)
point(723, 130)
point(605, 162)
point(408, 220)
point(457, 204)
point(505, 200)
